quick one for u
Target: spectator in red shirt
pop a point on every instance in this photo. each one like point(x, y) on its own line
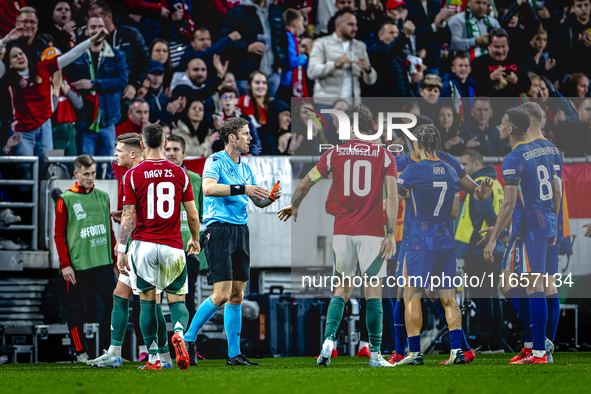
point(254, 104)
point(138, 116)
point(30, 86)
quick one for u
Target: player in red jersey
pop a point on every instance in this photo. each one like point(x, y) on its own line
point(154, 191)
point(359, 169)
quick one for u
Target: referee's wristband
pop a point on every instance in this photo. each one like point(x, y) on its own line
point(122, 248)
point(237, 189)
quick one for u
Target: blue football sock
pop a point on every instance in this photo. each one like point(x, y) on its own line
point(441, 310)
point(455, 337)
point(205, 312)
point(465, 346)
point(553, 315)
point(513, 298)
point(538, 318)
point(524, 313)
point(414, 343)
point(233, 326)
point(399, 328)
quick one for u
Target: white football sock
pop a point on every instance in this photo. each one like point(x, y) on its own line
point(528, 345)
point(152, 358)
point(164, 357)
point(143, 349)
point(115, 350)
point(363, 344)
point(539, 353)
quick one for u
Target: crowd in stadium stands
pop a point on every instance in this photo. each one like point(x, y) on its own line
point(191, 65)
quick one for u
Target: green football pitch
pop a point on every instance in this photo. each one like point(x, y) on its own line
point(571, 372)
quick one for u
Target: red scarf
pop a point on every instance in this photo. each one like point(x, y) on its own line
point(298, 76)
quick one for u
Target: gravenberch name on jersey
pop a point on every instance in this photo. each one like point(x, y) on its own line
point(438, 171)
point(158, 174)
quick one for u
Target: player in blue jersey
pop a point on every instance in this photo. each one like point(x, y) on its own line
point(534, 134)
point(479, 192)
point(532, 198)
point(434, 188)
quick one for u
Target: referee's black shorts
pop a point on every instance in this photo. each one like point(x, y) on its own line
point(227, 250)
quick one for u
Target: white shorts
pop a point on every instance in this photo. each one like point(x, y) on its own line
point(349, 249)
point(158, 266)
point(127, 280)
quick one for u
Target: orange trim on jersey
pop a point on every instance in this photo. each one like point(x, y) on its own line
point(405, 271)
point(540, 138)
point(519, 143)
point(413, 157)
point(565, 215)
point(400, 221)
point(526, 259)
point(431, 158)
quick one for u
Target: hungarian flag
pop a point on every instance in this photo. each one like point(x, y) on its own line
point(94, 100)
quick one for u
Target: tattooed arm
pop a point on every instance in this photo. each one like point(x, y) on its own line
point(127, 227)
point(298, 196)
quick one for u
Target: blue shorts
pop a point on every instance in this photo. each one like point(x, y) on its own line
point(552, 261)
point(401, 255)
point(425, 264)
point(530, 256)
point(509, 257)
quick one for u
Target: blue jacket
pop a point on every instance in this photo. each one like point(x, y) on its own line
point(467, 89)
point(244, 19)
point(206, 55)
point(294, 59)
point(158, 102)
point(110, 81)
point(490, 139)
point(390, 64)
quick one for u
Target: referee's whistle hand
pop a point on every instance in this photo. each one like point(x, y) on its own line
point(257, 191)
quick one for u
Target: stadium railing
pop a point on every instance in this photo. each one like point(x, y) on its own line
point(33, 205)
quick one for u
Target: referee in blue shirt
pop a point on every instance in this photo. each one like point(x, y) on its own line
point(228, 182)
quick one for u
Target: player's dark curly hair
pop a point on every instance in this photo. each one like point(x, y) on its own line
point(421, 120)
point(429, 139)
point(519, 118)
point(232, 126)
point(364, 116)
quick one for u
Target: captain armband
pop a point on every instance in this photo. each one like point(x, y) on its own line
point(512, 181)
point(314, 175)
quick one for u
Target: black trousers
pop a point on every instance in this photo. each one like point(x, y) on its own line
point(90, 300)
point(192, 275)
point(489, 317)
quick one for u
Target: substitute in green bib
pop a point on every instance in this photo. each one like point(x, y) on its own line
point(175, 152)
point(84, 241)
point(475, 216)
